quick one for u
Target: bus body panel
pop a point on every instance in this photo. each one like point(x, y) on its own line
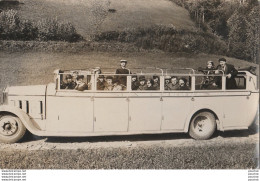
point(145, 114)
point(110, 114)
point(175, 112)
point(74, 114)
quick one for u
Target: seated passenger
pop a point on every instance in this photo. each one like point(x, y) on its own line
point(141, 83)
point(173, 85)
point(166, 81)
point(101, 83)
point(149, 85)
point(109, 83)
point(135, 83)
point(117, 86)
point(156, 83)
point(183, 84)
point(69, 84)
point(81, 85)
point(209, 82)
point(75, 75)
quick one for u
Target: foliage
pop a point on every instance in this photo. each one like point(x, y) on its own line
point(167, 38)
point(236, 22)
point(13, 28)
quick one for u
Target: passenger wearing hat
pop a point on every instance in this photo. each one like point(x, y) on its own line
point(81, 85)
point(101, 83)
point(230, 72)
point(156, 82)
point(183, 84)
point(109, 83)
point(117, 86)
point(135, 83)
point(141, 83)
point(69, 84)
point(167, 79)
point(122, 70)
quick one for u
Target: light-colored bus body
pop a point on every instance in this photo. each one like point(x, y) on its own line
point(46, 110)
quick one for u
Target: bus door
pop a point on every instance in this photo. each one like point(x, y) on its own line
point(110, 113)
point(145, 112)
point(236, 104)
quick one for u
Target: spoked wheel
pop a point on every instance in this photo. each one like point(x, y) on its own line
point(202, 126)
point(11, 129)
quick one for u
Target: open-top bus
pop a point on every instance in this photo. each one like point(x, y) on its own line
point(57, 109)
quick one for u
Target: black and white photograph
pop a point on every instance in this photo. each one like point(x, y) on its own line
point(137, 85)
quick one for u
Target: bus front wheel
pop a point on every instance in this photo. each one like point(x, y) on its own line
point(11, 129)
point(202, 126)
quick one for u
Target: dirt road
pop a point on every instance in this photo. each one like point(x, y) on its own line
point(164, 140)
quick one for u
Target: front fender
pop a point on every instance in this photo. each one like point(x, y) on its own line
point(26, 120)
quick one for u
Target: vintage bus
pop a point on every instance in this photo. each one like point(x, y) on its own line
point(83, 103)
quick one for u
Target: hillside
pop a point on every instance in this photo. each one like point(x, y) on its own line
point(91, 16)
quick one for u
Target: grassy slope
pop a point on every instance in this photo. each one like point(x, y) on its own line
point(92, 16)
point(37, 68)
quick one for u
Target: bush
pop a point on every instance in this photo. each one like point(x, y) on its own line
point(167, 38)
point(12, 28)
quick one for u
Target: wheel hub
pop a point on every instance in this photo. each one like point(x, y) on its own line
point(8, 126)
point(200, 124)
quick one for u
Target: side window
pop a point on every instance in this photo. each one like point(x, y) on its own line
point(75, 81)
point(177, 83)
point(145, 83)
point(206, 82)
point(111, 83)
point(240, 82)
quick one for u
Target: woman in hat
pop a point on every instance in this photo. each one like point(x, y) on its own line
point(156, 83)
point(183, 84)
point(101, 83)
point(81, 85)
point(69, 84)
point(167, 79)
point(135, 83)
point(142, 83)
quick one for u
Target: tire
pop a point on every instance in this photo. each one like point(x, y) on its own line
point(12, 129)
point(202, 126)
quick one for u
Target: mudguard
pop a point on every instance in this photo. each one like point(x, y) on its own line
point(26, 120)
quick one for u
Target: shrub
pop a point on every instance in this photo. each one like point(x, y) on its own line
point(167, 38)
point(12, 28)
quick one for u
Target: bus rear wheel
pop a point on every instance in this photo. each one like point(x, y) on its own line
point(202, 126)
point(11, 129)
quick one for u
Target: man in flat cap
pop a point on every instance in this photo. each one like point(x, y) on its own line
point(230, 71)
point(122, 70)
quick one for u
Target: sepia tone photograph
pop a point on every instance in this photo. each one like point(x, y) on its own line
point(129, 84)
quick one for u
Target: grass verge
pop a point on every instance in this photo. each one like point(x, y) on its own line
point(235, 156)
